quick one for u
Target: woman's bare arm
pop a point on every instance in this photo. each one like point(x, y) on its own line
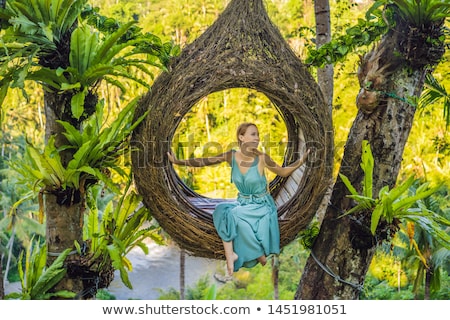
point(200, 162)
point(287, 170)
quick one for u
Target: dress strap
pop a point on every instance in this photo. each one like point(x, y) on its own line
point(233, 164)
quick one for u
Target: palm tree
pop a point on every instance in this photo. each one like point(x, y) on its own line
point(70, 50)
point(391, 77)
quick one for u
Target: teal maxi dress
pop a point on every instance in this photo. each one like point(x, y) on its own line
point(251, 222)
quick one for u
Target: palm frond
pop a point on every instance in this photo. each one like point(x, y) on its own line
point(422, 12)
point(435, 92)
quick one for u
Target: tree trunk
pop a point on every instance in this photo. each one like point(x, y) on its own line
point(323, 35)
point(63, 207)
point(275, 277)
point(344, 248)
point(64, 226)
point(182, 273)
point(428, 277)
point(2, 287)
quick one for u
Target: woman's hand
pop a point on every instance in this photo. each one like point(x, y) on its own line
point(171, 157)
point(305, 156)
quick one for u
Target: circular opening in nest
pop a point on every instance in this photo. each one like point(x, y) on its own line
point(210, 129)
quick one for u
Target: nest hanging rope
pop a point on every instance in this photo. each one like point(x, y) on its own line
point(242, 49)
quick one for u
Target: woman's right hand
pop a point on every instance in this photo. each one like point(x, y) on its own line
point(171, 157)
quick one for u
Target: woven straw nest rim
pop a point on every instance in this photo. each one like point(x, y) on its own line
point(242, 49)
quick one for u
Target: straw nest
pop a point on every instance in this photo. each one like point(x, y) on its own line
point(241, 49)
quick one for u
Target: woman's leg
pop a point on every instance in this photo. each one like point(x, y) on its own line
point(230, 256)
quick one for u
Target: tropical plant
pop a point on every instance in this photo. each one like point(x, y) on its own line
point(434, 92)
point(35, 30)
point(420, 250)
point(97, 148)
point(113, 232)
point(18, 223)
point(38, 280)
point(394, 204)
point(421, 12)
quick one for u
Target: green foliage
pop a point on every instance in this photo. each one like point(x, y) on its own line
point(375, 289)
point(418, 13)
point(421, 12)
point(115, 231)
point(421, 250)
point(395, 273)
point(434, 92)
point(98, 147)
point(202, 290)
point(104, 295)
point(36, 31)
point(21, 208)
point(44, 22)
point(44, 169)
point(37, 280)
point(364, 33)
point(33, 29)
point(93, 59)
point(307, 236)
point(388, 267)
point(393, 203)
point(412, 203)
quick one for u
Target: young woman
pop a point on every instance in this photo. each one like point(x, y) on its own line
point(249, 227)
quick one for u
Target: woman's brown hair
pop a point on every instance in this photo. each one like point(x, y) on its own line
point(242, 129)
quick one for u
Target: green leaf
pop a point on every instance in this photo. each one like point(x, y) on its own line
point(375, 218)
point(77, 104)
point(400, 189)
point(116, 258)
point(364, 203)
point(348, 184)
point(433, 228)
point(83, 47)
point(367, 163)
point(106, 51)
point(72, 134)
point(211, 293)
point(343, 50)
point(51, 276)
point(409, 201)
point(65, 294)
point(70, 86)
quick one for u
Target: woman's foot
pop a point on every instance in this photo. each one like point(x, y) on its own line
point(223, 278)
point(230, 263)
point(262, 260)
